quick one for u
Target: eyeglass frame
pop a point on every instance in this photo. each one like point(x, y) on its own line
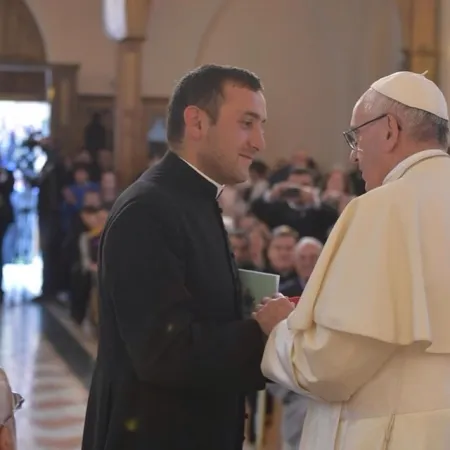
point(351, 131)
point(18, 402)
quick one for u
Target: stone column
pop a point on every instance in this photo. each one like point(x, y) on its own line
point(130, 153)
point(62, 84)
point(126, 23)
point(420, 35)
point(444, 49)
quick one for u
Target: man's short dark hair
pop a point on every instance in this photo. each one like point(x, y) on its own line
point(203, 87)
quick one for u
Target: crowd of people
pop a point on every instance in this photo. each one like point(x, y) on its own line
point(280, 215)
point(277, 222)
point(75, 195)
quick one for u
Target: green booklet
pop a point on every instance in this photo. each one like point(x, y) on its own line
point(258, 284)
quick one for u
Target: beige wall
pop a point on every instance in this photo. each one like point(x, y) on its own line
point(315, 59)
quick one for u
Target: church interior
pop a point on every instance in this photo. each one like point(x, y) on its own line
point(84, 88)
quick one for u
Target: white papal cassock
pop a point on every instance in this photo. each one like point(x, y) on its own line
point(370, 339)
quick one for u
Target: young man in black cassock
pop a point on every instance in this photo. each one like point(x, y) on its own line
point(176, 357)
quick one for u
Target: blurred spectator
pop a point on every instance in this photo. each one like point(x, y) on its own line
point(95, 134)
point(336, 192)
point(280, 253)
point(306, 254)
point(296, 202)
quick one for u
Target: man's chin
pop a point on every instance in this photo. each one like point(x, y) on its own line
point(240, 177)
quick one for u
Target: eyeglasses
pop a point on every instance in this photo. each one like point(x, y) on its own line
point(17, 401)
point(351, 135)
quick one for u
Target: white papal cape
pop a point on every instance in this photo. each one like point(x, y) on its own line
point(370, 339)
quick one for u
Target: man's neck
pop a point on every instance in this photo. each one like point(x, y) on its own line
point(194, 165)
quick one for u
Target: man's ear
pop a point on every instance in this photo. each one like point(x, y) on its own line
point(393, 128)
point(193, 122)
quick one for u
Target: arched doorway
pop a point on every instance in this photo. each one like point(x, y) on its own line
point(20, 38)
point(27, 74)
point(24, 108)
point(22, 54)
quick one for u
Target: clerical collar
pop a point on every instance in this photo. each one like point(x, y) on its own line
point(404, 165)
point(217, 185)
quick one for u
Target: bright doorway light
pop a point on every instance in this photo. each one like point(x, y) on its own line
point(18, 119)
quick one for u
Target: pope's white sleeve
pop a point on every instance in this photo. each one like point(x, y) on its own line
point(322, 363)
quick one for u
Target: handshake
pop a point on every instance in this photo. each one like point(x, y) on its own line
point(272, 310)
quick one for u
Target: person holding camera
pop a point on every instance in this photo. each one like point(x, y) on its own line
point(296, 202)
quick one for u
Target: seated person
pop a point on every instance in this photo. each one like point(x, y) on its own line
point(79, 270)
point(280, 253)
point(89, 245)
point(306, 254)
point(108, 188)
point(92, 198)
point(9, 404)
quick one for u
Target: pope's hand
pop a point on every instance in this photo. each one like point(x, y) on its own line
point(272, 312)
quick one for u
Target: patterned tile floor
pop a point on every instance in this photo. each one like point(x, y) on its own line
point(55, 400)
point(52, 416)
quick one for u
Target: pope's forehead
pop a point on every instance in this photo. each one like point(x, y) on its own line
point(358, 112)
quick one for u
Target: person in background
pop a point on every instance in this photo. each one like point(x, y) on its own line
point(280, 253)
point(296, 202)
point(257, 184)
point(95, 135)
point(89, 247)
point(80, 264)
point(6, 214)
point(50, 182)
point(299, 159)
point(240, 244)
point(74, 194)
point(103, 162)
point(10, 403)
point(336, 192)
point(108, 188)
point(306, 253)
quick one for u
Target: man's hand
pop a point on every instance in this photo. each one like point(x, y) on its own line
point(272, 312)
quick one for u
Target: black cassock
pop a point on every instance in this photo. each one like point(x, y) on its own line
point(175, 357)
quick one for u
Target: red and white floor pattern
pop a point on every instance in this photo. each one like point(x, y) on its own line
point(52, 416)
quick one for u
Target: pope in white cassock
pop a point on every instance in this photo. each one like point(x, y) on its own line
point(369, 341)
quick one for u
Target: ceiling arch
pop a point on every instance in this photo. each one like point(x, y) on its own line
point(20, 37)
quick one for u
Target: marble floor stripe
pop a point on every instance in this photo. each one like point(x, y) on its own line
point(52, 417)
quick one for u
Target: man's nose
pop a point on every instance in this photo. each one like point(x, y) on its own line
point(258, 142)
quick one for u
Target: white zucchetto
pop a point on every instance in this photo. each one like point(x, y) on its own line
point(413, 90)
